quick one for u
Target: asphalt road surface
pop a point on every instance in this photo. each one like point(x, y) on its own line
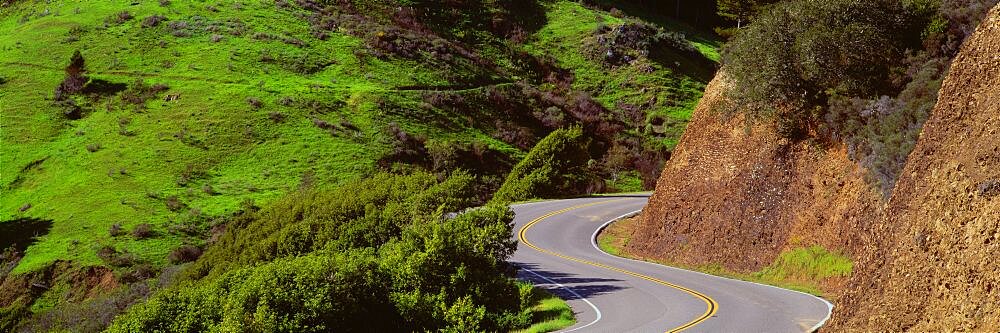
point(556, 250)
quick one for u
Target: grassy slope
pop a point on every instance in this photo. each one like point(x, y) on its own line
point(242, 154)
point(211, 129)
point(675, 93)
point(549, 313)
point(802, 269)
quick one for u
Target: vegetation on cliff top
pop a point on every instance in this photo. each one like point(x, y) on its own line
point(831, 70)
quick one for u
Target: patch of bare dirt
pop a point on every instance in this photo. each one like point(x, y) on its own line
point(85, 282)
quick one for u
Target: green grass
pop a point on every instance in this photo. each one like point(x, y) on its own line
point(627, 182)
point(802, 269)
point(549, 314)
point(213, 134)
point(211, 128)
point(615, 237)
point(607, 245)
point(676, 93)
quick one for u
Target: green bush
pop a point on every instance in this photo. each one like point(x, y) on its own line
point(379, 248)
point(10, 316)
point(881, 133)
point(364, 213)
point(556, 167)
point(795, 55)
point(865, 73)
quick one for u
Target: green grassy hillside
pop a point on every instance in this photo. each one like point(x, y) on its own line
point(195, 110)
point(261, 106)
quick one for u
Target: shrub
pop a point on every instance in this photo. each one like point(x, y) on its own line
point(123, 123)
point(75, 77)
point(331, 260)
point(846, 80)
point(91, 315)
point(627, 42)
point(153, 21)
point(179, 28)
point(119, 18)
point(116, 230)
point(184, 254)
point(957, 21)
point(138, 273)
point(113, 258)
point(93, 147)
point(799, 52)
point(555, 167)
point(255, 102)
point(208, 189)
point(143, 231)
point(276, 117)
point(406, 148)
point(11, 316)
point(174, 203)
point(989, 188)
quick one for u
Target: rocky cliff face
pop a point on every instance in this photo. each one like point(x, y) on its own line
point(737, 196)
point(934, 261)
point(926, 259)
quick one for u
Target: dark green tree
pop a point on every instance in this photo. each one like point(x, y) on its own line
point(555, 167)
point(741, 11)
point(799, 53)
point(75, 77)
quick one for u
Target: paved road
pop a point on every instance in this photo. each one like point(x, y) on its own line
point(612, 294)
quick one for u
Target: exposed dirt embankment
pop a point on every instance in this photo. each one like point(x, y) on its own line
point(738, 196)
point(935, 264)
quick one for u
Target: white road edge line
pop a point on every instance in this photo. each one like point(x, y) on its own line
point(574, 294)
point(593, 241)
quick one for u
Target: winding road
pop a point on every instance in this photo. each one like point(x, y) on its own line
point(556, 250)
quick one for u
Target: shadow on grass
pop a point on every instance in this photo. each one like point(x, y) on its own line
point(21, 233)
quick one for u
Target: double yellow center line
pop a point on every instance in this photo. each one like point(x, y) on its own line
point(710, 310)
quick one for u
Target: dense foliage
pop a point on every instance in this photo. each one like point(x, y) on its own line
point(556, 167)
point(793, 57)
point(833, 70)
point(376, 248)
point(176, 115)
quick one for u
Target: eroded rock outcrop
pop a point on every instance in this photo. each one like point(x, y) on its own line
point(933, 264)
point(926, 258)
point(737, 196)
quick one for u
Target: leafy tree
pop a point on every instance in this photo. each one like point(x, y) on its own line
point(555, 167)
point(799, 53)
point(737, 10)
point(75, 77)
point(377, 255)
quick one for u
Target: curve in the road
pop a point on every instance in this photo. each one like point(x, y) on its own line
point(615, 294)
point(711, 306)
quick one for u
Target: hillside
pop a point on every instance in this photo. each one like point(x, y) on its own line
point(930, 268)
point(740, 198)
point(247, 101)
point(821, 208)
point(134, 133)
